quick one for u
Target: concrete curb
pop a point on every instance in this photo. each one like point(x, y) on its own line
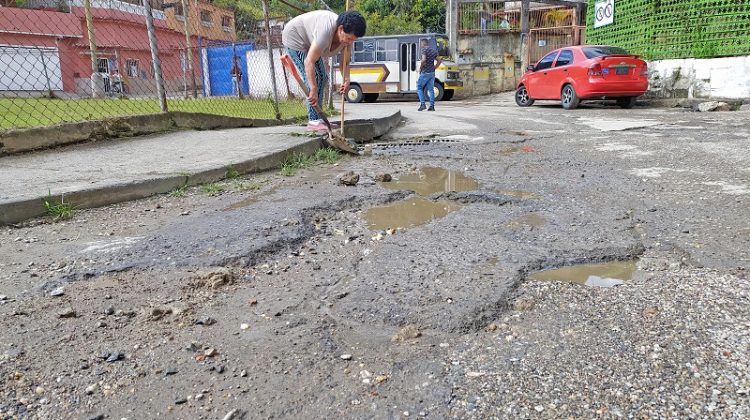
point(19, 141)
point(17, 211)
point(366, 130)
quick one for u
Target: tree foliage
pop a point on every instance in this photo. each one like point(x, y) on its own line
point(384, 17)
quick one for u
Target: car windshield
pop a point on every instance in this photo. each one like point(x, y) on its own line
point(591, 52)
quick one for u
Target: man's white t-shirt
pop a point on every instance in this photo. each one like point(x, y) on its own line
point(310, 28)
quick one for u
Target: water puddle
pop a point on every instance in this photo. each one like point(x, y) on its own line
point(417, 211)
point(431, 180)
point(531, 220)
point(412, 212)
point(600, 275)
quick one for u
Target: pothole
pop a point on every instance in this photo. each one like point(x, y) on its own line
point(600, 275)
point(431, 180)
point(412, 212)
point(419, 210)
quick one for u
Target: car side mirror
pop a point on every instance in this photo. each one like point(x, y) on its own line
point(530, 68)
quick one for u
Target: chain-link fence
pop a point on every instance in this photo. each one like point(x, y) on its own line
point(77, 60)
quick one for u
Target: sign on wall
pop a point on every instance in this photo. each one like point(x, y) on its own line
point(604, 13)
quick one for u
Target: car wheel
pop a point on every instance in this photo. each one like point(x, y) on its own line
point(371, 97)
point(448, 94)
point(522, 97)
point(354, 94)
point(438, 92)
point(569, 98)
point(626, 103)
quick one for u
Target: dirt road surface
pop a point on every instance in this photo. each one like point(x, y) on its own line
point(298, 297)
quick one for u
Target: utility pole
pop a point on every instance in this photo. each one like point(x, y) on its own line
point(96, 78)
point(524, 35)
point(270, 60)
point(191, 69)
point(155, 57)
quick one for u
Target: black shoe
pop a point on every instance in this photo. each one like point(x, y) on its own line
point(421, 108)
point(431, 108)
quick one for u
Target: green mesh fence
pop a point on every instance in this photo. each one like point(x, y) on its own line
point(660, 29)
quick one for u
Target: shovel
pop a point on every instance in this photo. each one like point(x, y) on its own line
point(334, 139)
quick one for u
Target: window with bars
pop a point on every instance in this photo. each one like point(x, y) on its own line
point(226, 23)
point(131, 67)
point(206, 19)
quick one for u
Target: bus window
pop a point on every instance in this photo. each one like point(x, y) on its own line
point(387, 50)
point(364, 51)
point(442, 47)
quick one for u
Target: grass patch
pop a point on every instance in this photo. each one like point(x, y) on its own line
point(300, 160)
point(212, 189)
point(327, 155)
point(40, 112)
point(232, 173)
point(58, 210)
point(178, 192)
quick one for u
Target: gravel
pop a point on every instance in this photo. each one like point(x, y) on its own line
point(670, 344)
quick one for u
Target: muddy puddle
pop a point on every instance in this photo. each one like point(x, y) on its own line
point(417, 211)
point(431, 180)
point(405, 214)
point(600, 275)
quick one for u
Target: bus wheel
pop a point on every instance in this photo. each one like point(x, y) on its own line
point(438, 92)
point(448, 94)
point(371, 97)
point(354, 94)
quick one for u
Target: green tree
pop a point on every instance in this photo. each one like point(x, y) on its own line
point(391, 24)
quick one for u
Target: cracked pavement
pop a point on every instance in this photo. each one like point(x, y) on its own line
point(317, 316)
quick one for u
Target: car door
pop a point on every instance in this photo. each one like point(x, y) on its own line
point(538, 84)
point(558, 73)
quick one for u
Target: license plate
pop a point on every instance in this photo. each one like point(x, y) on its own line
point(622, 70)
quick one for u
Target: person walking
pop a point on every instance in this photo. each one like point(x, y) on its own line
point(426, 81)
point(309, 38)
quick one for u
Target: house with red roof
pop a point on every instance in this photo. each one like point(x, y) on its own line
point(45, 49)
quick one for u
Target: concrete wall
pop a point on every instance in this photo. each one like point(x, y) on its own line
point(489, 63)
point(726, 77)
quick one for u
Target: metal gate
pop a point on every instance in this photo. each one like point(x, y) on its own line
point(553, 28)
point(544, 40)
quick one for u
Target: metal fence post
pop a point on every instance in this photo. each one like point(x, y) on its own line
point(160, 92)
point(46, 74)
point(270, 59)
point(189, 44)
point(96, 86)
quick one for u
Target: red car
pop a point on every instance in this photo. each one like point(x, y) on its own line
point(577, 73)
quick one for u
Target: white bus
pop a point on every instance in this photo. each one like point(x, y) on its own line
point(390, 64)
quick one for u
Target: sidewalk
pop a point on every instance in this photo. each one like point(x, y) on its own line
point(101, 173)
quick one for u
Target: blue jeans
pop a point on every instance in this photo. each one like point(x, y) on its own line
point(426, 80)
point(321, 78)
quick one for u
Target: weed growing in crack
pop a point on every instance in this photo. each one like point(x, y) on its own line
point(327, 155)
point(296, 161)
point(212, 189)
point(300, 160)
point(58, 210)
point(178, 192)
point(232, 173)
